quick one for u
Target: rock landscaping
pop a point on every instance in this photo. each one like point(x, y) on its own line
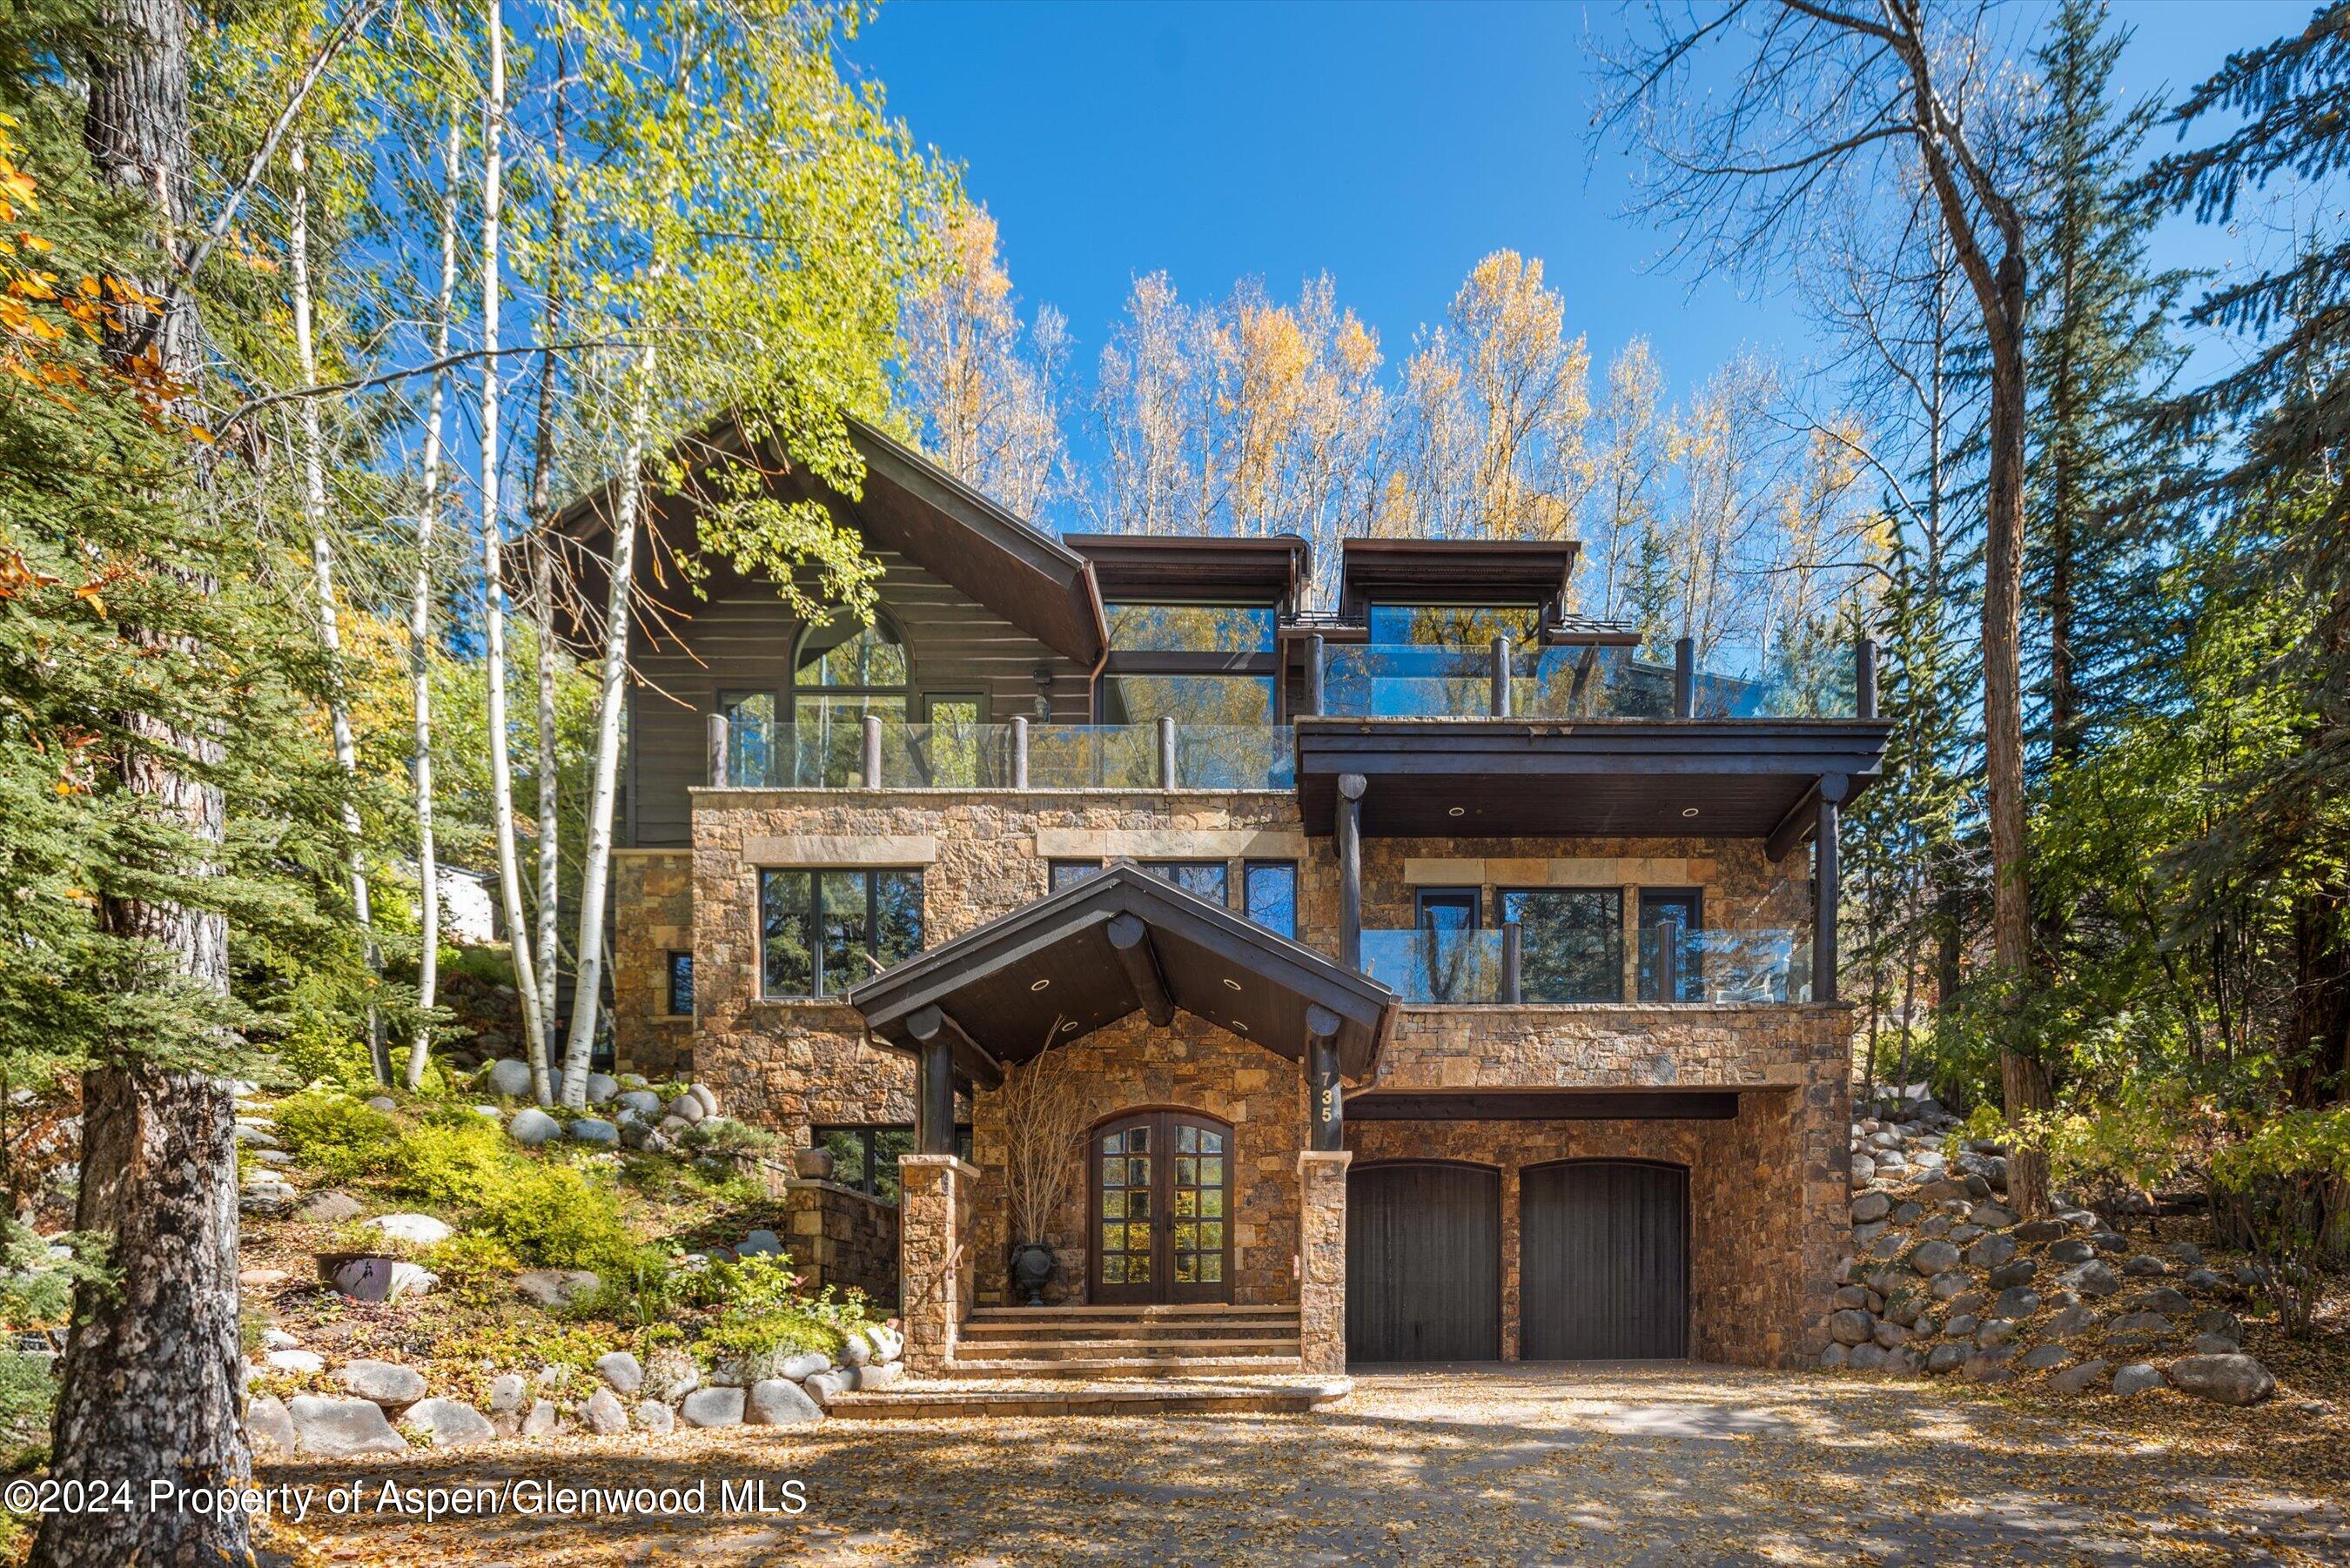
point(1943, 1280)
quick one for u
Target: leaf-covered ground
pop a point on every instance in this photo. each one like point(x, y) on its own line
point(1666, 1464)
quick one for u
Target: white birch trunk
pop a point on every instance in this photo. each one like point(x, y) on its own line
point(420, 639)
point(550, 840)
point(322, 571)
point(611, 691)
point(493, 622)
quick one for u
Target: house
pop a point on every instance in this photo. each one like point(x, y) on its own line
point(1447, 980)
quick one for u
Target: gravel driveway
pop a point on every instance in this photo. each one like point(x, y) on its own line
point(1564, 1463)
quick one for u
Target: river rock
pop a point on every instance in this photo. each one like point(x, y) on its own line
point(510, 1077)
point(507, 1393)
point(602, 1088)
point(824, 1388)
point(2091, 1279)
point(1945, 1358)
point(330, 1208)
point(801, 1365)
point(652, 1416)
point(2080, 1380)
point(532, 1126)
point(2016, 1301)
point(451, 1423)
point(268, 1425)
point(1870, 1206)
point(386, 1383)
point(295, 1360)
point(603, 1413)
point(641, 1103)
point(712, 1407)
point(779, 1402)
point(2236, 1379)
point(2044, 1358)
point(556, 1287)
point(888, 1344)
point(621, 1370)
point(341, 1428)
point(595, 1129)
point(1992, 1250)
point(1932, 1258)
point(543, 1420)
point(2136, 1379)
point(416, 1229)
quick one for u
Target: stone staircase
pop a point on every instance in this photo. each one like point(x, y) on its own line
point(1094, 1343)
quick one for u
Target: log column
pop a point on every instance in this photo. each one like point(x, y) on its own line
point(1350, 870)
point(1827, 889)
point(1326, 1112)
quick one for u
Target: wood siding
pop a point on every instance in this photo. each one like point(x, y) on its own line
point(741, 639)
point(1605, 1268)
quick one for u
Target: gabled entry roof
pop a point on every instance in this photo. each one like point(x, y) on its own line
point(1056, 970)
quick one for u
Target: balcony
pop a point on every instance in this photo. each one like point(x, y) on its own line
point(1573, 681)
point(887, 753)
point(1498, 968)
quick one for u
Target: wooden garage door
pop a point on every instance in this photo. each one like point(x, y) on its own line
point(1423, 1263)
point(1604, 1262)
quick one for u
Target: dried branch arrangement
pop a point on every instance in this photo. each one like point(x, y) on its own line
point(1043, 1125)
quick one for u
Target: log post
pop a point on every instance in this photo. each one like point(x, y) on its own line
point(1350, 870)
point(1685, 678)
point(718, 747)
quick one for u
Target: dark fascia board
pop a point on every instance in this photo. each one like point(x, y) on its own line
point(1595, 745)
point(1542, 1105)
point(933, 977)
point(1436, 571)
point(1265, 570)
point(1077, 632)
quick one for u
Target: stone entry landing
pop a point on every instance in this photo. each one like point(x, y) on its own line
point(1093, 1343)
point(1198, 1394)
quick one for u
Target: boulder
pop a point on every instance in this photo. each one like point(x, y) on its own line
point(602, 1088)
point(411, 1280)
point(888, 1344)
point(1864, 1170)
point(2032, 1232)
point(2144, 1266)
point(1995, 1331)
point(2080, 1380)
point(2016, 1301)
point(510, 1077)
point(2226, 1380)
point(761, 1244)
point(2007, 1276)
point(1992, 1250)
point(534, 1126)
point(1993, 1216)
point(268, 1425)
point(341, 1428)
point(826, 1386)
point(383, 1103)
point(1989, 1366)
point(882, 1374)
point(1963, 1325)
point(389, 1384)
point(2044, 1358)
point(1951, 1286)
point(2091, 1279)
point(2136, 1379)
point(1836, 1356)
point(2074, 1322)
point(802, 1365)
point(707, 1095)
point(1891, 1336)
point(543, 1420)
point(620, 1371)
point(603, 1413)
point(1932, 1258)
point(712, 1407)
point(2185, 1252)
point(671, 1375)
point(779, 1402)
point(2217, 1344)
point(295, 1361)
point(2144, 1325)
point(856, 1351)
point(595, 1129)
point(642, 1102)
point(1870, 1206)
point(2204, 1280)
point(1945, 1358)
point(1853, 1296)
point(507, 1394)
point(2162, 1298)
point(330, 1208)
point(2221, 1322)
point(556, 1287)
point(416, 1229)
point(1865, 1358)
point(451, 1423)
point(652, 1416)
point(686, 1108)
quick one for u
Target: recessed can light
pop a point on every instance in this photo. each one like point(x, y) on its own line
point(1038, 984)
point(1230, 982)
point(1070, 1027)
point(1688, 811)
point(1458, 811)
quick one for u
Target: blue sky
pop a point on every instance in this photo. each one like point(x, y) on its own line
point(1389, 144)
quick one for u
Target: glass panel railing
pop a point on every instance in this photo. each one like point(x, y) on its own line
point(946, 756)
point(1455, 968)
point(1724, 966)
point(1588, 682)
point(1405, 680)
point(1821, 688)
point(1093, 756)
point(1236, 756)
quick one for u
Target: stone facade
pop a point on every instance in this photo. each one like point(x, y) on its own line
point(654, 891)
point(933, 1239)
point(839, 1236)
point(1189, 1065)
point(1606, 1045)
point(1322, 1260)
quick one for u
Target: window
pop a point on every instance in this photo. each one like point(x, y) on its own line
point(750, 737)
point(1671, 963)
point(1270, 887)
point(843, 672)
point(680, 985)
point(1445, 910)
point(1210, 880)
point(1200, 665)
point(822, 932)
point(1188, 699)
point(1454, 625)
point(953, 753)
point(1069, 873)
point(865, 1157)
point(1190, 628)
point(1570, 942)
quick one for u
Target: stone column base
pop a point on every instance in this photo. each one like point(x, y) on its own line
point(935, 1268)
point(1322, 1258)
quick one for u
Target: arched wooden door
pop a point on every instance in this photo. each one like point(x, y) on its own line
point(1162, 1202)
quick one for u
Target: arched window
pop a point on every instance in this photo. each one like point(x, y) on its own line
point(842, 673)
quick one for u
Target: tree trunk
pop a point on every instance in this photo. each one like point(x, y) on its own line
point(420, 639)
point(151, 1389)
point(322, 571)
point(494, 596)
point(544, 569)
point(612, 691)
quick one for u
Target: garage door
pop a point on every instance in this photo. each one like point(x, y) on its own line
point(1423, 1263)
point(1604, 1270)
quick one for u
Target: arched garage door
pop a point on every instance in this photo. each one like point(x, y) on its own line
point(1605, 1262)
point(1423, 1262)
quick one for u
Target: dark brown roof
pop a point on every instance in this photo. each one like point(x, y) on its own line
point(1049, 972)
point(1150, 565)
point(1465, 571)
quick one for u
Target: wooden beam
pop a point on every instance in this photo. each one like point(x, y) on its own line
point(1350, 870)
point(1799, 824)
point(1130, 940)
point(929, 1025)
point(1547, 1105)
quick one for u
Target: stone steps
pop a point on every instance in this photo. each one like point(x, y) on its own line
point(1030, 1396)
point(1125, 1342)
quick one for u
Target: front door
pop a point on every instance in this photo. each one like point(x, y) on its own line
point(1162, 1183)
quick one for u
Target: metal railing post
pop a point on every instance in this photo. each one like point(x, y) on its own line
point(1019, 752)
point(873, 751)
point(1166, 752)
point(718, 746)
point(1685, 678)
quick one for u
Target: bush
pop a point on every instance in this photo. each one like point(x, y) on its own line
point(28, 1393)
point(456, 1157)
point(559, 1217)
point(330, 1130)
point(36, 1286)
point(476, 1271)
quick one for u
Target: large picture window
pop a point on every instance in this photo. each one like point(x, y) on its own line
point(750, 738)
point(865, 1157)
point(844, 671)
point(1570, 942)
point(821, 932)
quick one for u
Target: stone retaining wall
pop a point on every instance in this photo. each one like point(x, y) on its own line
point(839, 1236)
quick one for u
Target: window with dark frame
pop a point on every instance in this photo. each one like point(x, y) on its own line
point(865, 1157)
point(680, 984)
point(1069, 873)
point(1570, 942)
point(821, 932)
point(1672, 966)
point(1210, 880)
point(750, 737)
point(1269, 890)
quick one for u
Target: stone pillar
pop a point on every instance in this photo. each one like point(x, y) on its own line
point(935, 1266)
point(1322, 1260)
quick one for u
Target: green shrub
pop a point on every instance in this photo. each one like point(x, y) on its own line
point(330, 1130)
point(476, 1271)
point(486, 966)
point(455, 1157)
point(36, 1286)
point(28, 1393)
point(559, 1217)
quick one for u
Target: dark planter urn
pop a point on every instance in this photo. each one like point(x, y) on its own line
point(1031, 1271)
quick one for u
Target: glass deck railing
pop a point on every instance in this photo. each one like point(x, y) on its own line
point(1236, 756)
point(1409, 680)
point(988, 756)
point(1467, 969)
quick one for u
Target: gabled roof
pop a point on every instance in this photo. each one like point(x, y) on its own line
point(912, 506)
point(1059, 969)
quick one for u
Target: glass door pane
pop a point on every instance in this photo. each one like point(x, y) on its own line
point(1671, 969)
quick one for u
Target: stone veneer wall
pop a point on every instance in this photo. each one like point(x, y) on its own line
point(839, 1236)
point(934, 1244)
point(1610, 1045)
point(652, 890)
point(1189, 1066)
